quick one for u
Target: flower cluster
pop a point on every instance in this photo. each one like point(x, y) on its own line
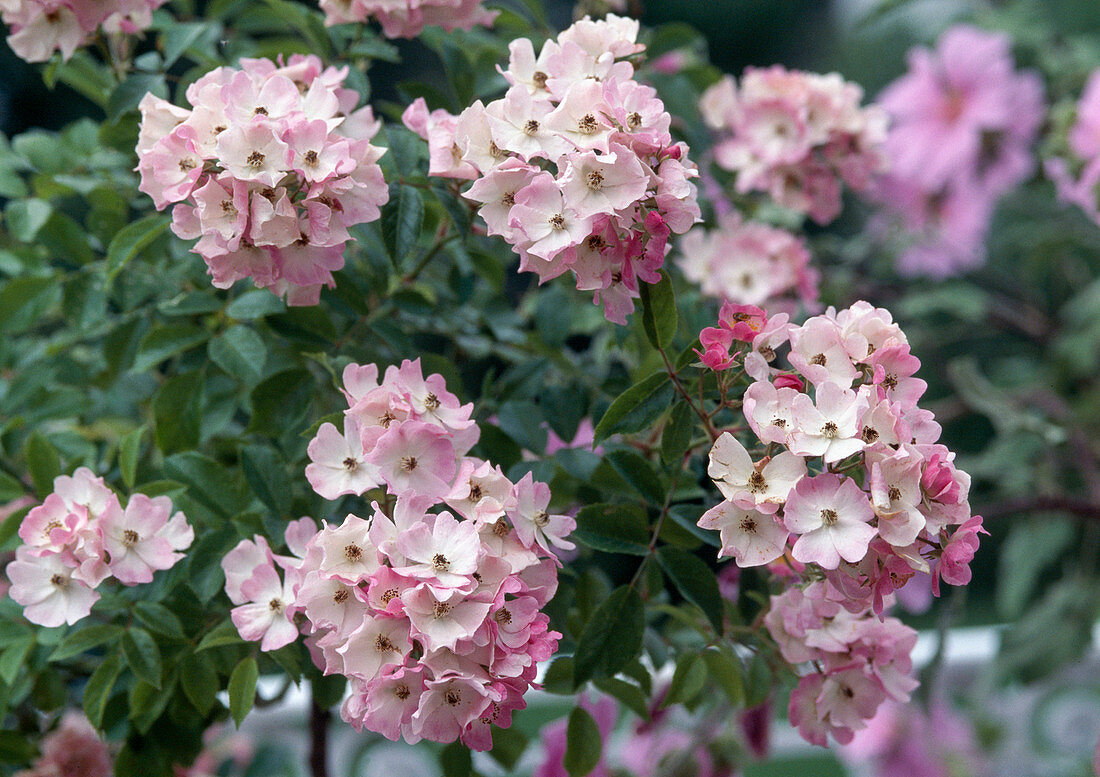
point(435, 617)
point(749, 263)
point(795, 135)
point(406, 18)
point(1077, 178)
point(80, 536)
point(963, 123)
point(73, 749)
point(574, 167)
point(270, 166)
point(38, 29)
point(848, 484)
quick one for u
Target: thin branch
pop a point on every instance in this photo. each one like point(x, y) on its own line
point(318, 739)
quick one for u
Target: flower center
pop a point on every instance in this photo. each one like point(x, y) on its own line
point(187, 164)
point(408, 463)
point(60, 581)
point(539, 79)
point(452, 697)
point(275, 605)
point(780, 422)
point(894, 493)
point(260, 110)
point(830, 429)
point(130, 538)
point(401, 691)
point(350, 464)
point(829, 517)
point(502, 616)
point(353, 552)
point(255, 160)
point(389, 596)
point(531, 127)
point(748, 525)
point(440, 563)
point(757, 483)
point(228, 208)
point(441, 609)
point(386, 419)
point(634, 120)
point(383, 645)
point(508, 199)
point(588, 124)
point(475, 492)
point(431, 401)
point(341, 596)
point(818, 359)
point(311, 158)
point(595, 180)
point(541, 518)
point(557, 221)
point(868, 435)
point(501, 527)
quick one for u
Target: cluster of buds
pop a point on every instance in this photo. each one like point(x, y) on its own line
point(749, 263)
point(847, 484)
point(574, 167)
point(796, 136)
point(434, 615)
point(80, 536)
point(269, 167)
point(406, 18)
point(38, 28)
point(963, 121)
point(1077, 175)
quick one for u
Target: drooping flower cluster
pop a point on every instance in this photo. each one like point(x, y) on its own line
point(574, 167)
point(846, 480)
point(749, 263)
point(963, 123)
point(797, 136)
point(73, 749)
point(80, 536)
point(38, 28)
point(270, 166)
point(407, 18)
point(1077, 177)
point(435, 617)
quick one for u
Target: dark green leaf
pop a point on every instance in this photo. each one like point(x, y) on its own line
point(280, 402)
point(456, 760)
point(130, 92)
point(559, 676)
point(267, 476)
point(725, 669)
point(583, 744)
point(97, 691)
point(659, 311)
point(129, 447)
point(637, 408)
point(20, 298)
point(509, 744)
point(401, 224)
point(159, 619)
point(132, 240)
point(223, 634)
point(199, 682)
point(25, 217)
point(611, 638)
point(83, 640)
point(209, 482)
point(613, 528)
point(240, 352)
point(522, 421)
point(687, 681)
point(687, 517)
point(10, 488)
point(142, 655)
point(43, 463)
point(639, 473)
point(629, 694)
point(166, 341)
point(14, 658)
point(147, 702)
point(177, 410)
point(677, 433)
point(242, 688)
point(695, 581)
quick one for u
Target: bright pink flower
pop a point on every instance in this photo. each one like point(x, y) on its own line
point(47, 590)
point(831, 515)
point(762, 486)
point(751, 537)
point(954, 566)
point(337, 463)
point(145, 538)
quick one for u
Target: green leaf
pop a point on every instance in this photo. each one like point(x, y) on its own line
point(267, 477)
point(559, 676)
point(43, 462)
point(24, 218)
point(687, 681)
point(639, 473)
point(126, 96)
point(98, 689)
point(129, 447)
point(725, 669)
point(207, 480)
point(402, 227)
point(687, 517)
point(240, 352)
point(222, 634)
point(611, 638)
point(165, 342)
point(199, 682)
point(629, 694)
point(159, 619)
point(280, 402)
point(613, 528)
point(82, 640)
point(456, 760)
point(142, 655)
point(523, 422)
point(10, 488)
point(659, 311)
point(695, 580)
point(677, 433)
point(1031, 546)
point(131, 240)
point(147, 702)
point(20, 298)
point(253, 304)
point(14, 658)
point(177, 410)
point(180, 36)
point(242, 688)
point(637, 408)
point(583, 744)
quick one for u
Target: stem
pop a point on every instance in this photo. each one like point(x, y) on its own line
point(318, 739)
point(687, 397)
